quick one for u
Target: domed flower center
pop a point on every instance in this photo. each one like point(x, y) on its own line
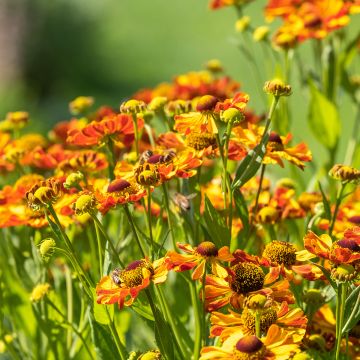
point(267, 318)
point(355, 219)
point(249, 348)
point(280, 252)
point(118, 185)
point(206, 103)
point(348, 244)
point(246, 277)
point(133, 274)
point(200, 141)
point(207, 248)
point(275, 143)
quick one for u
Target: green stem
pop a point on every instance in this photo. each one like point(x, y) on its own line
point(76, 331)
point(172, 323)
point(69, 298)
point(167, 207)
point(136, 134)
point(350, 151)
point(151, 251)
point(257, 324)
point(112, 162)
point(263, 167)
point(224, 177)
point(204, 328)
point(71, 251)
point(197, 319)
point(99, 249)
point(103, 231)
point(119, 345)
point(340, 309)
point(133, 228)
point(337, 205)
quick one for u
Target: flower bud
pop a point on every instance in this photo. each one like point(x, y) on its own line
point(344, 272)
point(157, 103)
point(133, 106)
point(242, 24)
point(214, 66)
point(261, 33)
point(345, 173)
point(178, 107)
point(232, 115)
point(277, 88)
point(73, 180)
point(268, 215)
point(18, 119)
point(39, 292)
point(47, 248)
point(84, 204)
point(81, 104)
point(150, 355)
point(314, 297)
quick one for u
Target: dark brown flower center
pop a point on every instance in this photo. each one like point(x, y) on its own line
point(207, 248)
point(246, 277)
point(249, 348)
point(118, 185)
point(348, 244)
point(206, 103)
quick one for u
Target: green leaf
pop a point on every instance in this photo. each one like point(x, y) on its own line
point(217, 229)
point(242, 210)
point(163, 335)
point(251, 163)
point(323, 119)
point(352, 309)
point(325, 202)
point(105, 347)
point(101, 312)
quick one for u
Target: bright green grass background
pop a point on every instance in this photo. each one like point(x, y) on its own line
point(111, 48)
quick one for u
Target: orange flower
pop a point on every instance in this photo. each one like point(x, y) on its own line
point(292, 320)
point(218, 4)
point(203, 120)
point(97, 132)
point(345, 251)
point(277, 345)
point(283, 259)
point(197, 258)
point(123, 286)
point(201, 144)
point(276, 149)
point(244, 279)
point(86, 161)
point(118, 192)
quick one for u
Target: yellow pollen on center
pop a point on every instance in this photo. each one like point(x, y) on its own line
point(280, 253)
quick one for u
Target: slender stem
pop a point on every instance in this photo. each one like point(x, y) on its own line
point(340, 309)
point(71, 251)
point(99, 248)
point(136, 134)
point(337, 205)
point(204, 329)
point(69, 298)
point(103, 231)
point(167, 207)
point(133, 228)
point(197, 317)
point(224, 177)
point(263, 167)
point(350, 151)
point(77, 332)
point(171, 321)
point(119, 345)
point(257, 324)
point(112, 162)
point(149, 223)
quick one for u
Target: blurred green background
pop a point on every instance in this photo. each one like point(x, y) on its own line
point(57, 50)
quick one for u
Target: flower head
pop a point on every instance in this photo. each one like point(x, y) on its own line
point(122, 286)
